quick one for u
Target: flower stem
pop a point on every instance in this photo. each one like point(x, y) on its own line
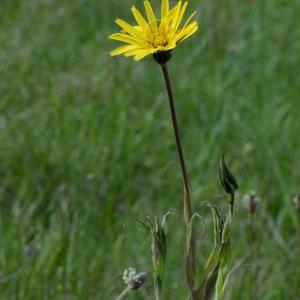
point(187, 201)
point(191, 237)
point(157, 291)
point(124, 292)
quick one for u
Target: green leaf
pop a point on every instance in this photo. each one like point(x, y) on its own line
point(223, 273)
point(218, 225)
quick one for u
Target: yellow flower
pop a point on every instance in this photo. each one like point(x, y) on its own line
point(152, 36)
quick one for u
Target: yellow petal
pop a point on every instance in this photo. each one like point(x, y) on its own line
point(138, 53)
point(168, 18)
point(165, 49)
point(171, 11)
point(189, 19)
point(164, 8)
point(132, 52)
point(176, 14)
point(182, 11)
point(150, 15)
point(124, 38)
point(188, 31)
point(128, 28)
point(122, 50)
point(141, 55)
point(138, 17)
point(188, 35)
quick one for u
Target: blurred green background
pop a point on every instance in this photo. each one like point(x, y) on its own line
point(87, 148)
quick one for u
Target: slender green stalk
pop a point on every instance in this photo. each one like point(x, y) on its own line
point(124, 292)
point(232, 198)
point(191, 236)
point(254, 255)
point(157, 290)
point(187, 201)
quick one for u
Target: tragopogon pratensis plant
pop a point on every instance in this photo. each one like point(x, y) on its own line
point(158, 36)
point(148, 37)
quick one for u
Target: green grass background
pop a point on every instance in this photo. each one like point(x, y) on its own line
point(87, 148)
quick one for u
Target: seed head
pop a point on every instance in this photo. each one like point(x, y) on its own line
point(138, 280)
point(251, 201)
point(296, 202)
point(129, 274)
point(133, 279)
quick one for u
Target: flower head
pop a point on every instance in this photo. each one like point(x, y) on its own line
point(133, 279)
point(251, 202)
point(151, 35)
point(129, 274)
point(296, 201)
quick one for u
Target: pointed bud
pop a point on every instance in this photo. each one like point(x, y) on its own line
point(159, 250)
point(227, 179)
point(159, 247)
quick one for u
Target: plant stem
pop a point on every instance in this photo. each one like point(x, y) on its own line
point(187, 201)
point(157, 293)
point(124, 292)
point(191, 236)
point(232, 198)
point(157, 287)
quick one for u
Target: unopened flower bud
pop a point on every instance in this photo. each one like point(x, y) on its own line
point(227, 178)
point(158, 247)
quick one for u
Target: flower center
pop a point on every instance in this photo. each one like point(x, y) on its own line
point(157, 38)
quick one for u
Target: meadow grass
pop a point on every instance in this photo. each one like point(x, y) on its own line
point(86, 147)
